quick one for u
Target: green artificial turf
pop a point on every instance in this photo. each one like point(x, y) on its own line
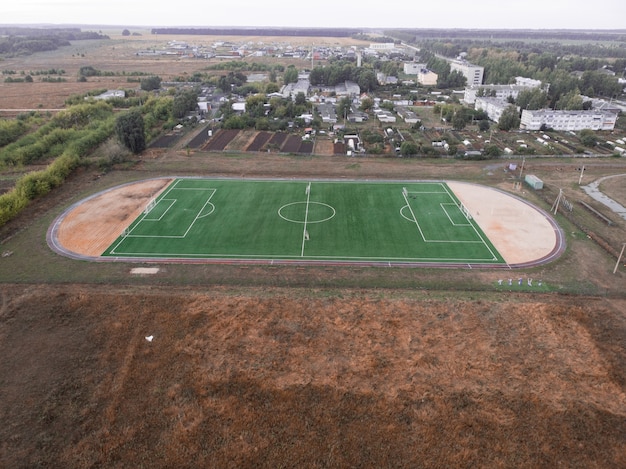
point(281, 220)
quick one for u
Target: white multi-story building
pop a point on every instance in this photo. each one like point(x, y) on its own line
point(568, 120)
point(382, 46)
point(473, 73)
point(427, 77)
point(412, 68)
point(492, 106)
point(502, 92)
point(529, 82)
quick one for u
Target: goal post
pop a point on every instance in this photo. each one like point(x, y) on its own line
point(150, 206)
point(465, 211)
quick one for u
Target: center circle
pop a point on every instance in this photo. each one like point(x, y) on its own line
point(298, 212)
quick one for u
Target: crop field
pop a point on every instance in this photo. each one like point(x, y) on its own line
point(286, 220)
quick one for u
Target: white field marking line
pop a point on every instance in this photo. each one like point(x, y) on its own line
point(184, 235)
point(475, 230)
point(306, 218)
point(173, 201)
point(292, 256)
point(442, 205)
point(270, 257)
point(449, 241)
point(129, 235)
point(413, 215)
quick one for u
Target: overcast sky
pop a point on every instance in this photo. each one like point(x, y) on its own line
point(492, 14)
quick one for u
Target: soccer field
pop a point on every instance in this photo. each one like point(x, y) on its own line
point(287, 220)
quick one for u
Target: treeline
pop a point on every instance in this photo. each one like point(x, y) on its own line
point(380, 39)
point(416, 35)
point(453, 48)
point(236, 65)
point(68, 137)
point(18, 41)
point(342, 71)
point(90, 71)
point(307, 32)
point(76, 124)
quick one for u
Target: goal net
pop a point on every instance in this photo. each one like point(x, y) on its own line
point(150, 206)
point(465, 211)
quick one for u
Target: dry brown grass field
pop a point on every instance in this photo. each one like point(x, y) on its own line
point(253, 366)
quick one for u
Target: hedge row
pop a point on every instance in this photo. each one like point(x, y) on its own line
point(39, 183)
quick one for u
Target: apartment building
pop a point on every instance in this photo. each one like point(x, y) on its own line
point(492, 106)
point(427, 77)
point(473, 73)
point(568, 120)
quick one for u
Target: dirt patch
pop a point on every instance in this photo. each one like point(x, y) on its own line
point(615, 188)
point(273, 377)
point(518, 231)
point(242, 140)
point(91, 226)
point(324, 146)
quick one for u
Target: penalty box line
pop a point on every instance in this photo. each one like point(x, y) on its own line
point(199, 214)
point(406, 196)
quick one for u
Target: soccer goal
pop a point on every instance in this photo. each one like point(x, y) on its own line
point(150, 206)
point(465, 211)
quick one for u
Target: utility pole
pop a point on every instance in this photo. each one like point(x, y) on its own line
point(619, 258)
point(582, 170)
point(555, 207)
point(521, 170)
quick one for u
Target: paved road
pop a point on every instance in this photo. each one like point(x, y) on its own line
point(593, 191)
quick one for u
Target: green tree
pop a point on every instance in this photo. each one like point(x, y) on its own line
point(255, 105)
point(588, 138)
point(408, 149)
point(300, 99)
point(532, 99)
point(492, 151)
point(343, 107)
point(272, 88)
point(367, 104)
point(571, 101)
point(367, 80)
point(151, 83)
point(291, 75)
point(184, 102)
point(130, 131)
point(458, 121)
point(509, 119)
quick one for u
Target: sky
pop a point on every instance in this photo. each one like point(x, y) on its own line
point(479, 14)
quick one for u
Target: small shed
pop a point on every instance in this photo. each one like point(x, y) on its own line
point(533, 181)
